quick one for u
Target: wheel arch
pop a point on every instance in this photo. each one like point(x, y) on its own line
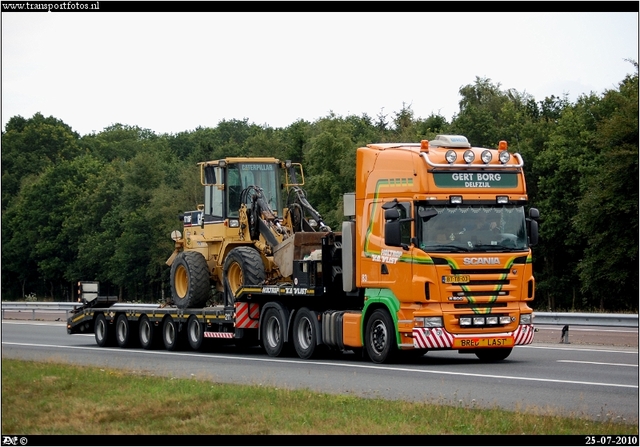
point(384, 299)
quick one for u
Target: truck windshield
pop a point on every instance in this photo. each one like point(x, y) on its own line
point(471, 228)
point(261, 175)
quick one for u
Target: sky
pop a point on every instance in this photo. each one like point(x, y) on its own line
point(172, 72)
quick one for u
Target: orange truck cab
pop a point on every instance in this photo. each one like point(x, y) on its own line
point(438, 242)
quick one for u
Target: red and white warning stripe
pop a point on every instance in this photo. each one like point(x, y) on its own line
point(431, 338)
point(218, 335)
point(247, 315)
point(523, 335)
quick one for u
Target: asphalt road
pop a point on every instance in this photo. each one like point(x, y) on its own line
point(583, 335)
point(582, 379)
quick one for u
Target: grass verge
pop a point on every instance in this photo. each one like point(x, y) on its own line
point(46, 398)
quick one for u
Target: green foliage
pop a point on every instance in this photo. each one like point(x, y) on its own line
point(101, 206)
point(607, 216)
point(31, 145)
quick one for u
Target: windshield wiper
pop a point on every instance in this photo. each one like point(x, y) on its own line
point(496, 248)
point(447, 247)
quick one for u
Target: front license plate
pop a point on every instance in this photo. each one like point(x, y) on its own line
point(456, 279)
point(483, 342)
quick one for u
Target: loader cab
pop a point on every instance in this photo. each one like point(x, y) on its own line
point(230, 182)
point(243, 177)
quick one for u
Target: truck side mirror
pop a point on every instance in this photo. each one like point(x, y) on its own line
point(532, 226)
point(392, 214)
point(392, 227)
point(532, 229)
point(392, 232)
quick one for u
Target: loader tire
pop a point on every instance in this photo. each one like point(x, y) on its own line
point(243, 266)
point(190, 280)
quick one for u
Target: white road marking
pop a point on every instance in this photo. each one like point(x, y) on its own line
point(335, 365)
point(596, 363)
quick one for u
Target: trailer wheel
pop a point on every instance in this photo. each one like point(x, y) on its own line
point(195, 332)
point(123, 332)
point(105, 335)
point(243, 266)
point(305, 336)
point(171, 335)
point(190, 280)
point(273, 331)
point(147, 334)
point(493, 355)
point(380, 337)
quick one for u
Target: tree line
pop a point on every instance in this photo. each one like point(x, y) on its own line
point(101, 206)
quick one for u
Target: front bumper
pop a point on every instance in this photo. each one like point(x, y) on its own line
point(439, 338)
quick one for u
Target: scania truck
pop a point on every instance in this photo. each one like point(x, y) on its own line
point(434, 253)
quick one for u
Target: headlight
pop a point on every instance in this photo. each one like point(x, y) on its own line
point(525, 319)
point(233, 223)
point(505, 319)
point(504, 157)
point(486, 157)
point(450, 156)
point(492, 320)
point(465, 321)
point(469, 156)
point(427, 322)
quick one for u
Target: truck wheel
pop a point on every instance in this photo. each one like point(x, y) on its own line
point(147, 333)
point(493, 355)
point(304, 333)
point(380, 337)
point(273, 330)
point(195, 332)
point(105, 335)
point(190, 280)
point(123, 332)
point(243, 266)
point(171, 335)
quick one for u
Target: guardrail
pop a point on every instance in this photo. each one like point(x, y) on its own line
point(558, 318)
point(38, 306)
point(586, 319)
